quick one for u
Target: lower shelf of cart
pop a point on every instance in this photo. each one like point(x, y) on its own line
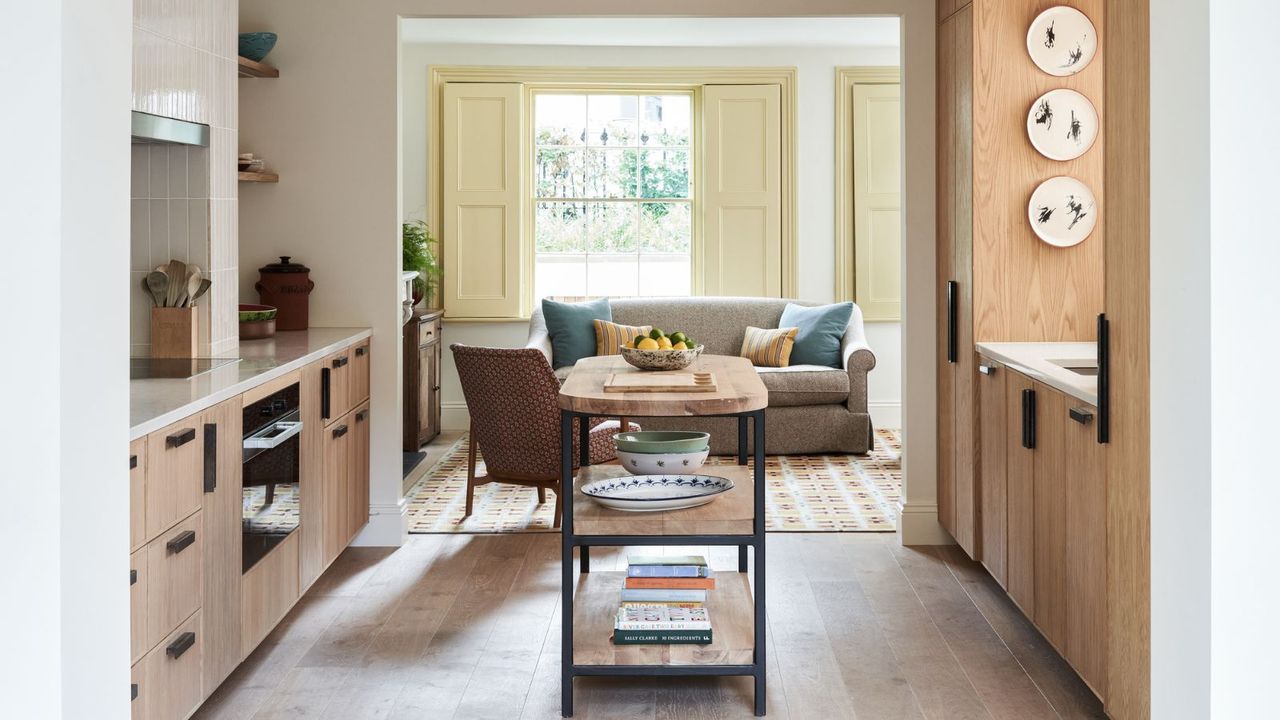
point(730, 606)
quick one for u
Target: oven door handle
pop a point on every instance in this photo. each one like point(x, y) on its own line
point(259, 441)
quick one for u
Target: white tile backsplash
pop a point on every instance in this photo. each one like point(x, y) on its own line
point(158, 240)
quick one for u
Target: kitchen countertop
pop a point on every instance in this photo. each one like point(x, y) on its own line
point(154, 404)
point(1033, 360)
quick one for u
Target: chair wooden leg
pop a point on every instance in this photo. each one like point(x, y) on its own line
point(542, 494)
point(622, 424)
point(471, 468)
point(559, 509)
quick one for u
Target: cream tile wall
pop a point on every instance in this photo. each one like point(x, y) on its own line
point(184, 66)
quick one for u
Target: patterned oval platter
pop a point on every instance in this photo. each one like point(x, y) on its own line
point(647, 493)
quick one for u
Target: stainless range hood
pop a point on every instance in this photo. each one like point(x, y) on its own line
point(156, 129)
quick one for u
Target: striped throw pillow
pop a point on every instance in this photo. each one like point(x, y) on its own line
point(768, 347)
point(610, 336)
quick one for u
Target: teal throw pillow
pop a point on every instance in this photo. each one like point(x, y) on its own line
point(820, 331)
point(573, 335)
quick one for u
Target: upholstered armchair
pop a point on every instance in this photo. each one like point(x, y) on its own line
point(515, 420)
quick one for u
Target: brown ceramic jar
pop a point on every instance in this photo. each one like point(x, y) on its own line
point(287, 286)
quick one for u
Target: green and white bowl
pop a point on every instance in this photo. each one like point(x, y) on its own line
point(662, 441)
point(658, 463)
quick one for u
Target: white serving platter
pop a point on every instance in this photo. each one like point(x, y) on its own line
point(1062, 41)
point(1062, 124)
point(1062, 211)
point(648, 493)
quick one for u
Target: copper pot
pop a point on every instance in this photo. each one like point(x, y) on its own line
point(287, 286)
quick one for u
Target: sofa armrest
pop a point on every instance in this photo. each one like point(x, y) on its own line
point(858, 360)
point(538, 336)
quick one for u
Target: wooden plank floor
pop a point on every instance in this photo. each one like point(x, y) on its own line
point(468, 626)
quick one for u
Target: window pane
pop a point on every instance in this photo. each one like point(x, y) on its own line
point(664, 173)
point(612, 227)
point(665, 274)
point(560, 275)
point(664, 120)
point(560, 172)
point(610, 173)
point(560, 119)
point(665, 228)
point(612, 274)
point(560, 227)
point(611, 120)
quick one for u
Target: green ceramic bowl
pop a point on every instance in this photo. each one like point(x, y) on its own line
point(663, 441)
point(252, 313)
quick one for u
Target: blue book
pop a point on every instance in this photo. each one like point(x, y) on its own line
point(668, 571)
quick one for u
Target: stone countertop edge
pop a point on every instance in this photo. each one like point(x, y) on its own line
point(1032, 359)
point(154, 404)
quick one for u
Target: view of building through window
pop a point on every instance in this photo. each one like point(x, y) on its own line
point(612, 195)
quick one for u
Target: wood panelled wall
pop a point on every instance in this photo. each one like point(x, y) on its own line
point(1025, 289)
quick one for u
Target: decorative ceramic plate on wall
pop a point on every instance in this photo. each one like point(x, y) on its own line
point(1062, 211)
point(1062, 41)
point(1062, 124)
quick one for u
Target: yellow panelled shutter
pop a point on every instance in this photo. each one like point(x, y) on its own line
point(877, 200)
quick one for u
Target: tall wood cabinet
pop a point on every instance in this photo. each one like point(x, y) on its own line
point(422, 349)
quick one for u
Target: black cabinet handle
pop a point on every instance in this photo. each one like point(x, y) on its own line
point(210, 457)
point(181, 542)
point(1104, 378)
point(341, 362)
point(181, 645)
point(362, 415)
point(952, 289)
point(1084, 416)
point(340, 431)
point(133, 462)
point(133, 577)
point(133, 691)
point(1029, 419)
point(987, 369)
point(180, 438)
point(360, 351)
point(325, 391)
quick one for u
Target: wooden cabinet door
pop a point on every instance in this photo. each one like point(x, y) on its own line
point(428, 392)
point(335, 385)
point(311, 479)
point(222, 512)
point(992, 478)
point(1053, 594)
point(1086, 511)
point(138, 605)
point(137, 493)
point(175, 456)
point(358, 476)
point(337, 470)
point(1020, 499)
point(359, 384)
point(174, 577)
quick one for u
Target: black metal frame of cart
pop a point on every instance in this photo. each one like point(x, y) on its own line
point(569, 540)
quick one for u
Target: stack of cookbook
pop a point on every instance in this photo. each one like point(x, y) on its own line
point(664, 601)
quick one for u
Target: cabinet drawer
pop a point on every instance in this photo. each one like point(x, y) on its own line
point(335, 385)
point(174, 474)
point(137, 493)
point(359, 374)
point(174, 577)
point(138, 578)
point(138, 704)
point(428, 331)
point(170, 687)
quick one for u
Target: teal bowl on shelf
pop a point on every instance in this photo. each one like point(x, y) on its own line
point(256, 45)
point(663, 441)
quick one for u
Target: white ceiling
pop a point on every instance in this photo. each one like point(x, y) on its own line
point(656, 32)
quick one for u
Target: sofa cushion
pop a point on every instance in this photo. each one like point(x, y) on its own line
point(820, 330)
point(805, 385)
point(573, 336)
point(768, 348)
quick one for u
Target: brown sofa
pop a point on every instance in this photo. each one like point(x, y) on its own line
point(812, 409)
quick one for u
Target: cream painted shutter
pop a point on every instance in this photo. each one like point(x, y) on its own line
point(877, 201)
point(742, 222)
point(481, 218)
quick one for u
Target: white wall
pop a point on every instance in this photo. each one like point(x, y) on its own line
point(815, 137)
point(64, 215)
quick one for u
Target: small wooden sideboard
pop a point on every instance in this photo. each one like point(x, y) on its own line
point(422, 346)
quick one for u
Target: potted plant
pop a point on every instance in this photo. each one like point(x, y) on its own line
point(418, 253)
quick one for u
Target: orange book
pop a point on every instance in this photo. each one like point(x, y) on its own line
point(645, 583)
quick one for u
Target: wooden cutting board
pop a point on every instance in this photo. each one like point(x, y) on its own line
point(661, 382)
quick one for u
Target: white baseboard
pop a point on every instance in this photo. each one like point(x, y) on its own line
point(454, 415)
point(918, 525)
point(388, 526)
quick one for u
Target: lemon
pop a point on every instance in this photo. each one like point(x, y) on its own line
point(647, 344)
point(630, 344)
point(635, 342)
point(679, 346)
point(664, 343)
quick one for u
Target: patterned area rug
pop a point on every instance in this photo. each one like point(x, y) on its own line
point(807, 493)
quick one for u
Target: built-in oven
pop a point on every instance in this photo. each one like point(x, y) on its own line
point(272, 433)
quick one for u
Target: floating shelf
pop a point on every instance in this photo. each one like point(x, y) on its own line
point(259, 177)
point(249, 68)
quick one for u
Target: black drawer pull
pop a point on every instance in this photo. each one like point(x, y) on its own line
point(210, 457)
point(181, 542)
point(180, 438)
point(133, 691)
point(340, 431)
point(133, 577)
point(326, 383)
point(181, 645)
point(1029, 419)
point(952, 288)
point(341, 362)
point(362, 415)
point(133, 462)
point(360, 351)
point(987, 369)
point(1081, 415)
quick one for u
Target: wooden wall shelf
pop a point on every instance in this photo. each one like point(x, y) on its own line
point(249, 68)
point(259, 177)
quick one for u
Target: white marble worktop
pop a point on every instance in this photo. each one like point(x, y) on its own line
point(154, 404)
point(1036, 361)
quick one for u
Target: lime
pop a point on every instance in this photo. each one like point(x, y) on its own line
point(678, 336)
point(636, 340)
point(655, 333)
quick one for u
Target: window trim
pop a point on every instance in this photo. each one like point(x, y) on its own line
point(586, 79)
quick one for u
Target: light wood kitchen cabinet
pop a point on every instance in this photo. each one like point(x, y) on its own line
point(137, 493)
point(174, 577)
point(138, 605)
point(171, 681)
point(422, 346)
point(138, 702)
point(174, 474)
point(337, 479)
point(222, 510)
point(1086, 572)
point(358, 502)
point(268, 590)
point(1020, 472)
point(311, 560)
point(359, 383)
point(1049, 480)
point(335, 386)
point(992, 476)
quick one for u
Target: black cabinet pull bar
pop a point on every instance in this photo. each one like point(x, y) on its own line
point(340, 431)
point(181, 645)
point(952, 289)
point(1029, 419)
point(180, 438)
point(181, 542)
point(210, 457)
point(1084, 416)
